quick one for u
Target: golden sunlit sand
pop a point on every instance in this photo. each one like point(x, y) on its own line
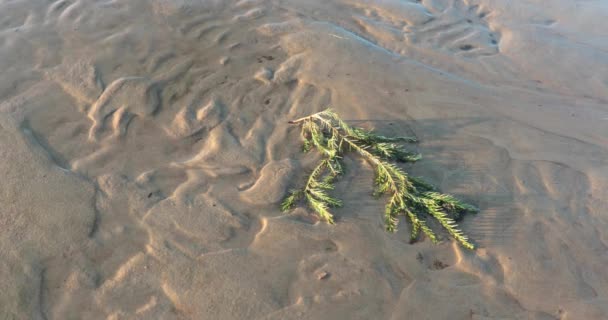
point(145, 149)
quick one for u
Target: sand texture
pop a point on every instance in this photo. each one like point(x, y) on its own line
point(144, 147)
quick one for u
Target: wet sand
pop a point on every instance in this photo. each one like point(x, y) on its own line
point(145, 145)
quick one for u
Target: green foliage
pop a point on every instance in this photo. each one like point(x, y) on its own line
point(408, 196)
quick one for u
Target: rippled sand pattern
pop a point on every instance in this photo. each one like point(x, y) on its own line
point(144, 148)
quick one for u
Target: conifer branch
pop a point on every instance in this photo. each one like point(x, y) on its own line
point(409, 197)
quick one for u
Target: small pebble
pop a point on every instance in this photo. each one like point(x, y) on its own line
point(322, 275)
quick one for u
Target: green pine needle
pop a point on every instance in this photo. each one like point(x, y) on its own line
point(410, 197)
